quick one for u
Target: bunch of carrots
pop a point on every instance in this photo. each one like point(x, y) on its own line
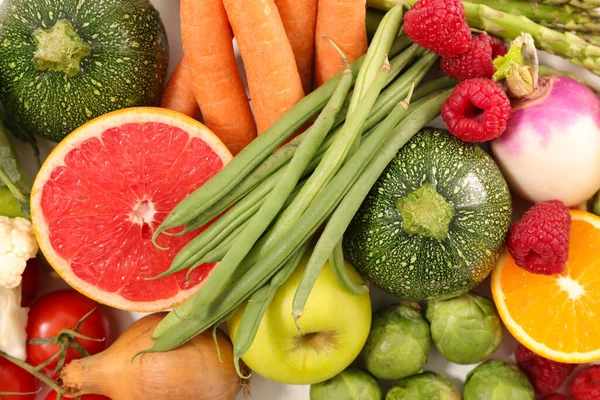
point(284, 51)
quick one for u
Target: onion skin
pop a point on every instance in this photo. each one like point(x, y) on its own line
point(193, 371)
point(551, 146)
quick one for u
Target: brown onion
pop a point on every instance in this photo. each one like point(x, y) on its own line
point(193, 371)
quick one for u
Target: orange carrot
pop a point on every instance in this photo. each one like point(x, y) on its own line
point(208, 48)
point(299, 19)
point(179, 94)
point(273, 78)
point(343, 21)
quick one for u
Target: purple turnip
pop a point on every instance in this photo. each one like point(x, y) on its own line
point(551, 146)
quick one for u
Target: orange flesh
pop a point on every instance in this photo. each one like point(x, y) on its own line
point(102, 205)
point(560, 312)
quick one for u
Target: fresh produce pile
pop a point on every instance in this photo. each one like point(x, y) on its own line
point(267, 213)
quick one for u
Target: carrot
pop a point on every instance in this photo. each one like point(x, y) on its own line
point(343, 21)
point(179, 94)
point(273, 78)
point(208, 51)
point(299, 19)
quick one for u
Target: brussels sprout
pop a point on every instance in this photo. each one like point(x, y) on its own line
point(350, 384)
point(465, 329)
point(497, 380)
point(427, 385)
point(399, 342)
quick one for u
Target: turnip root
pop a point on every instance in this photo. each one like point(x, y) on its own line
point(551, 146)
point(193, 371)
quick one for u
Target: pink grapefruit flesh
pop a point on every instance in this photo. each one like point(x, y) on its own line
point(103, 191)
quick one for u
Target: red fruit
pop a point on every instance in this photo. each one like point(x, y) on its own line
point(586, 385)
point(555, 396)
point(477, 110)
point(539, 242)
point(477, 61)
point(439, 26)
point(545, 375)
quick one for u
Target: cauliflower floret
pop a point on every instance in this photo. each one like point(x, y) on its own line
point(13, 320)
point(17, 245)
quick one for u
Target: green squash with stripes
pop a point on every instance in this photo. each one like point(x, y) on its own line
point(434, 223)
point(65, 62)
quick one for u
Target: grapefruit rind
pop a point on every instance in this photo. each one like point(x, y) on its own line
point(518, 332)
point(95, 128)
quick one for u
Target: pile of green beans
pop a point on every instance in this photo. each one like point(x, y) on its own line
point(271, 201)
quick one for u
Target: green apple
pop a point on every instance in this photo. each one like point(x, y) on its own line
point(333, 330)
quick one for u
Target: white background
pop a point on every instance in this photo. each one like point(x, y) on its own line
point(263, 389)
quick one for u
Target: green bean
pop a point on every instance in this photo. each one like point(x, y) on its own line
point(424, 89)
point(253, 154)
point(221, 275)
point(328, 243)
point(173, 331)
point(337, 189)
point(257, 307)
point(333, 158)
point(377, 52)
point(207, 240)
point(339, 269)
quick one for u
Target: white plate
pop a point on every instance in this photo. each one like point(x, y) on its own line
point(263, 389)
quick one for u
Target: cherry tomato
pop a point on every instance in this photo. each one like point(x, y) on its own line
point(31, 282)
point(16, 379)
point(52, 313)
point(52, 396)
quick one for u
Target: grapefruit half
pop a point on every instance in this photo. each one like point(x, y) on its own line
point(106, 187)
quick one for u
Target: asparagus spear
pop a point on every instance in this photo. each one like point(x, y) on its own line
point(583, 4)
point(569, 18)
point(509, 27)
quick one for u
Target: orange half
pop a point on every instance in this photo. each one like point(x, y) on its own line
point(558, 316)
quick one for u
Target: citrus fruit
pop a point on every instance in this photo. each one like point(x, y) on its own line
point(105, 188)
point(556, 316)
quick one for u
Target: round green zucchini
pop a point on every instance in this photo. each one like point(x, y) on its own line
point(64, 62)
point(434, 223)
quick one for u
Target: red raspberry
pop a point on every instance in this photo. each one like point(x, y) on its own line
point(477, 110)
point(439, 26)
point(539, 242)
point(586, 385)
point(555, 396)
point(545, 375)
point(477, 62)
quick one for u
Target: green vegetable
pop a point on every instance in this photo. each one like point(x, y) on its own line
point(350, 384)
point(424, 386)
point(15, 184)
point(497, 380)
point(465, 329)
point(64, 62)
point(434, 223)
point(564, 16)
point(399, 342)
